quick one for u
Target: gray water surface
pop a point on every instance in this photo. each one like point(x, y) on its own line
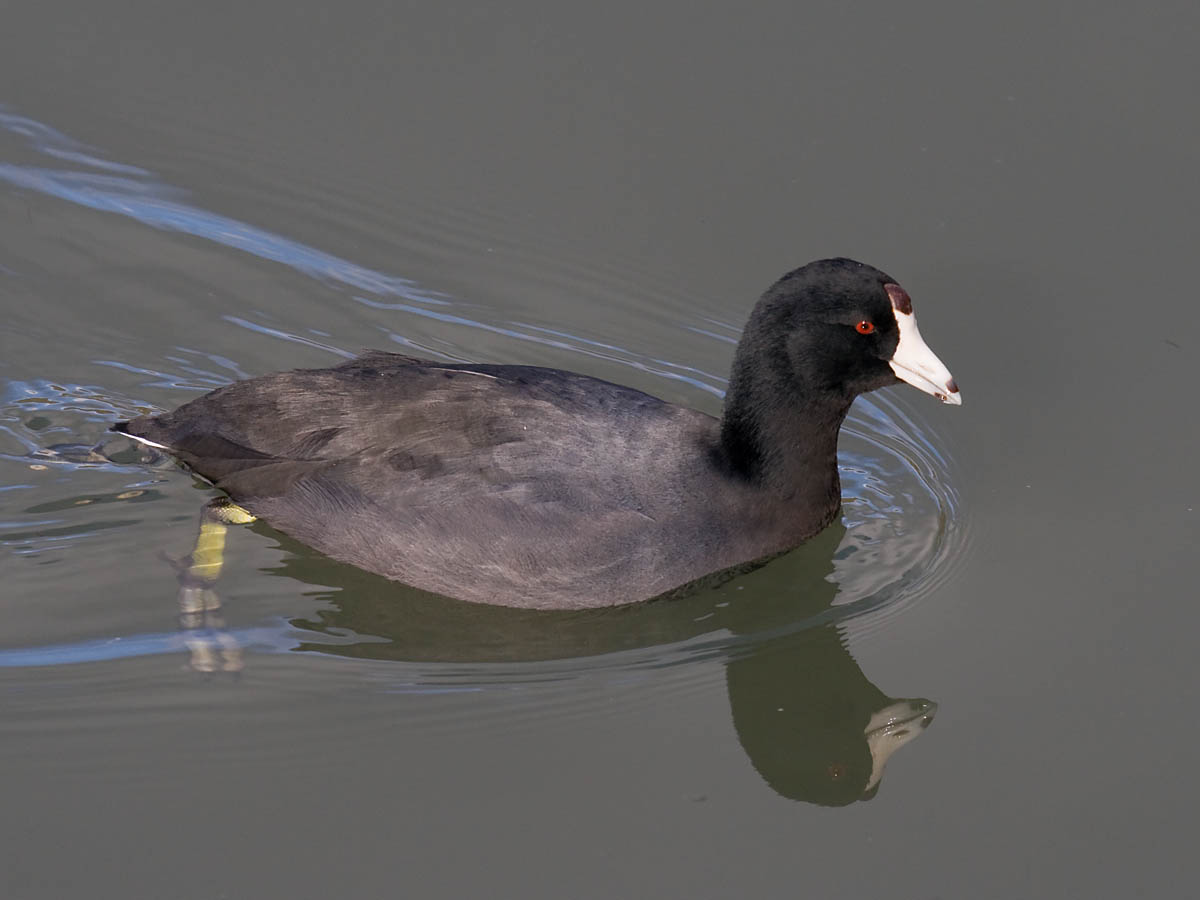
point(191, 195)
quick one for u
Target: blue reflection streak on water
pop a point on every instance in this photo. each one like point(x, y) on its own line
point(119, 195)
point(148, 202)
point(128, 647)
point(56, 144)
point(281, 638)
point(286, 335)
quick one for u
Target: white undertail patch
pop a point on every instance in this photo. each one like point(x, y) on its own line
point(146, 441)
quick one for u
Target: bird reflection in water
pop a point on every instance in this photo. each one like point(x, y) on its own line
point(811, 723)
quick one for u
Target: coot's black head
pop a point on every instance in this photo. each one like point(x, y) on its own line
point(835, 329)
point(818, 338)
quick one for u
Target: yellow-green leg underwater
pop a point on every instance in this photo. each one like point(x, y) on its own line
point(212, 648)
point(206, 559)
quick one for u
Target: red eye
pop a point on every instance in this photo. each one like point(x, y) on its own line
point(864, 327)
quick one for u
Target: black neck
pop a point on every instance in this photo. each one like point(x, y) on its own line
point(783, 436)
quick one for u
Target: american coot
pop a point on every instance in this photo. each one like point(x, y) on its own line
point(534, 487)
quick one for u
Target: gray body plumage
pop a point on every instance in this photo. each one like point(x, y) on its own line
point(509, 485)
